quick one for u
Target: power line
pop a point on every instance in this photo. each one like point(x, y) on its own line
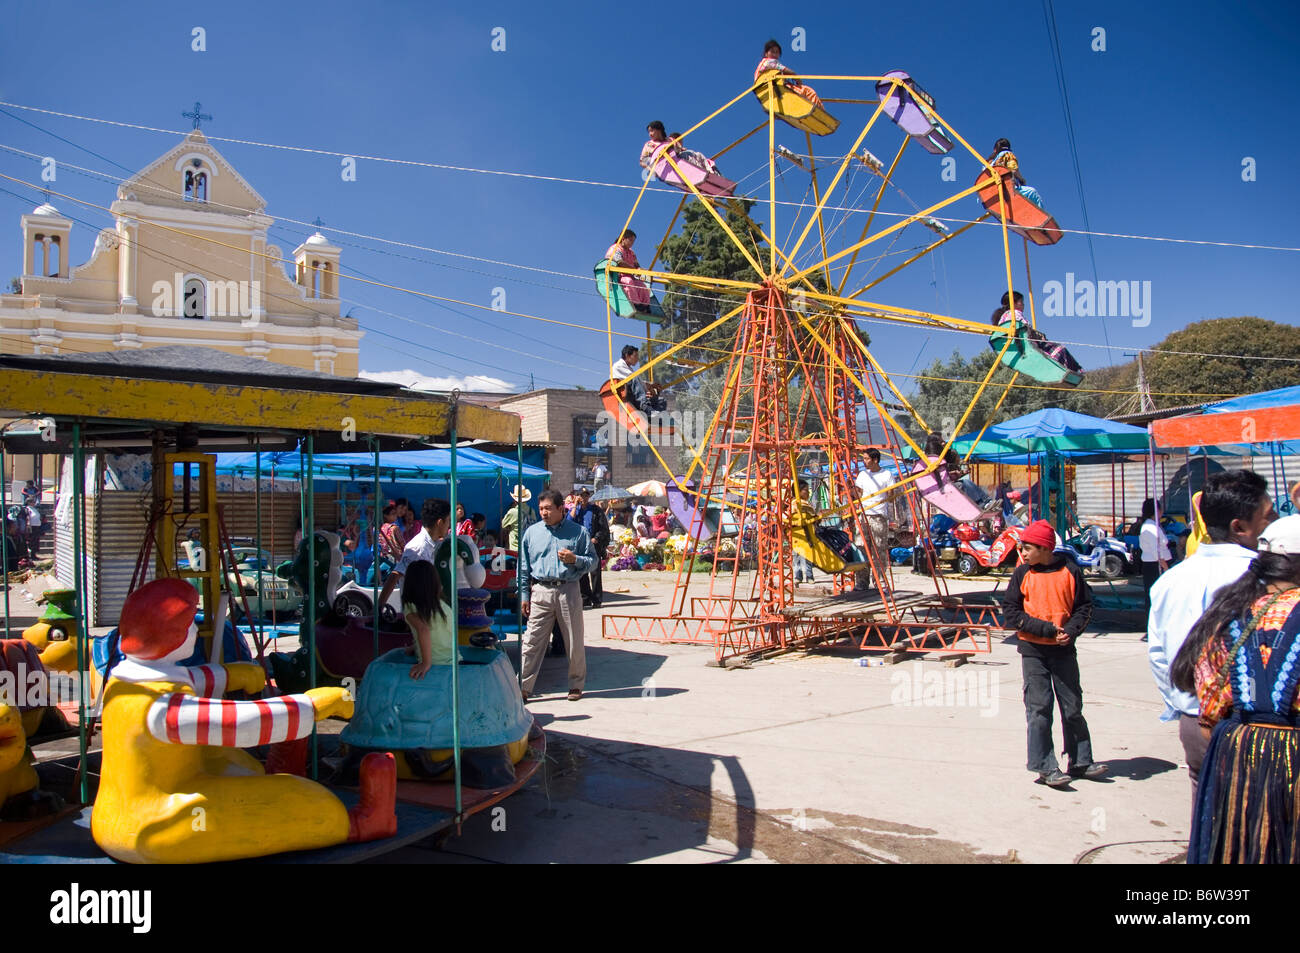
point(572, 181)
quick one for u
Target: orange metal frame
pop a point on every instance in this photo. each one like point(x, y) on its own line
point(758, 437)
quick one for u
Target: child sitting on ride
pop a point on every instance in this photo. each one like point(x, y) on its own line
point(660, 143)
point(1004, 157)
point(956, 472)
point(621, 255)
point(654, 145)
point(690, 155)
point(428, 618)
point(1057, 352)
point(772, 61)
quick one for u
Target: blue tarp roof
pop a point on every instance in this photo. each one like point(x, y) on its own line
point(1067, 433)
point(428, 464)
point(1282, 397)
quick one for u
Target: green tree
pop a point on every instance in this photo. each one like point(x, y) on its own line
point(1187, 367)
point(703, 248)
point(946, 388)
point(1193, 361)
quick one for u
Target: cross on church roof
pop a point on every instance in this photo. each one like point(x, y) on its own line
point(198, 115)
point(318, 223)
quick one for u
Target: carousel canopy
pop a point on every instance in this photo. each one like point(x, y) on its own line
point(432, 464)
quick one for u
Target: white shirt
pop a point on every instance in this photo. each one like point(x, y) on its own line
point(620, 370)
point(417, 549)
point(33, 516)
point(1150, 537)
point(869, 482)
point(1178, 600)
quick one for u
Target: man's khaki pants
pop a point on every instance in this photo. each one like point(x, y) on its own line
point(549, 603)
point(877, 528)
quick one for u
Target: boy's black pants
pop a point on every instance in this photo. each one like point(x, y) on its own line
point(1049, 672)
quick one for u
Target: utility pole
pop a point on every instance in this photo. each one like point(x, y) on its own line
point(1144, 390)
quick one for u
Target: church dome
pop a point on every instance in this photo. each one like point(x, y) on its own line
point(317, 239)
point(47, 210)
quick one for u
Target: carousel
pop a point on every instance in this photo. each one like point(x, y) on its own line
point(184, 729)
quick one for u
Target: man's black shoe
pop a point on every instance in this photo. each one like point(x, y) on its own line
point(1089, 771)
point(1054, 779)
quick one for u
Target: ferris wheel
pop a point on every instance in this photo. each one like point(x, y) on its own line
point(798, 373)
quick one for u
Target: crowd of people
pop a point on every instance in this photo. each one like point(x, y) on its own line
point(1223, 643)
point(1223, 630)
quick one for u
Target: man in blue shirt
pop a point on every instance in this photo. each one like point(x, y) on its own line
point(1236, 509)
point(553, 555)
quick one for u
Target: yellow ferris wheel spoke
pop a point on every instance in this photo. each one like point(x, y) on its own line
point(880, 194)
point(830, 189)
point(921, 254)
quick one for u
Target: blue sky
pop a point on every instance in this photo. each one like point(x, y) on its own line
point(1163, 118)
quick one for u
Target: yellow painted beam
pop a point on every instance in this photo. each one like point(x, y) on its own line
point(52, 393)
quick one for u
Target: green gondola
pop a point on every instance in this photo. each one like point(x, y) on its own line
point(618, 300)
point(1024, 357)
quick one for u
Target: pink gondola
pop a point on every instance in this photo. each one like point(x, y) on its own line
point(708, 183)
point(939, 490)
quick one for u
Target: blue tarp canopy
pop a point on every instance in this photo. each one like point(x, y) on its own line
point(1282, 397)
point(431, 464)
point(1063, 432)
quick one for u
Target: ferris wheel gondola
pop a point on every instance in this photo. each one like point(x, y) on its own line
point(998, 192)
point(912, 109)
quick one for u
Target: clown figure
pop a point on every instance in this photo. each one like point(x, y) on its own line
point(176, 786)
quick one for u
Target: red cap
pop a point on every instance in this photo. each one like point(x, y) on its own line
point(1040, 533)
point(156, 618)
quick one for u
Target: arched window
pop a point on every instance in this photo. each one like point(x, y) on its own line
point(40, 255)
point(195, 304)
point(196, 182)
point(56, 257)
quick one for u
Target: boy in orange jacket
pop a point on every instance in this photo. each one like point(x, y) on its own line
point(1048, 603)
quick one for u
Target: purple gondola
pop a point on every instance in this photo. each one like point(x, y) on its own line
point(909, 106)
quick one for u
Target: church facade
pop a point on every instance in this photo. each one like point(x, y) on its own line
point(187, 261)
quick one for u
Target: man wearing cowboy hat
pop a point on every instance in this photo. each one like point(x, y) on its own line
point(517, 518)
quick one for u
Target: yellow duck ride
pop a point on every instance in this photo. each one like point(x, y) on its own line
point(17, 776)
point(175, 785)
